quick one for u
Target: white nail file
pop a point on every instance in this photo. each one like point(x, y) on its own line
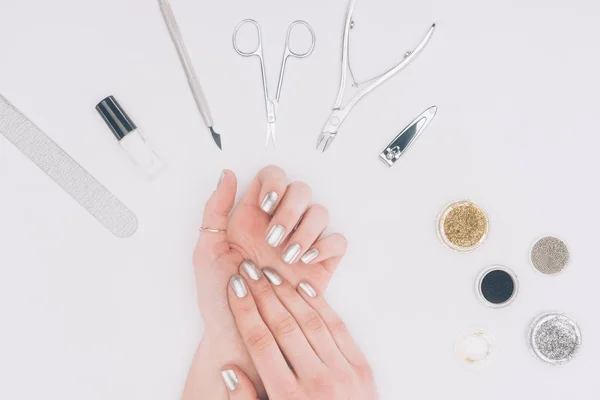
point(59, 166)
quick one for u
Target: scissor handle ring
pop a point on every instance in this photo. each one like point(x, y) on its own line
point(255, 52)
point(313, 39)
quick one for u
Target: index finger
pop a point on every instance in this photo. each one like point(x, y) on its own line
point(264, 351)
point(267, 189)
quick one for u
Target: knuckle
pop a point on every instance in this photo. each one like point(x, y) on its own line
point(246, 310)
point(364, 372)
point(321, 212)
point(285, 326)
point(323, 384)
point(339, 327)
point(314, 323)
point(292, 392)
point(260, 340)
point(262, 293)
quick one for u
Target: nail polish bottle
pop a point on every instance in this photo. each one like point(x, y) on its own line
point(130, 137)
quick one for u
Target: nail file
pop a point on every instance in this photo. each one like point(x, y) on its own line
point(65, 171)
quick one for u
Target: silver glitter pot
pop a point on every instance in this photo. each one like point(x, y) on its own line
point(554, 338)
point(549, 255)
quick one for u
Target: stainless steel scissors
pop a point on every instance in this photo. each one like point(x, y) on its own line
point(339, 112)
point(271, 105)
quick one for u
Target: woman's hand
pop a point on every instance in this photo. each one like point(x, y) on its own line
point(275, 225)
point(300, 347)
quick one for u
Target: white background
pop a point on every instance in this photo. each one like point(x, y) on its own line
point(85, 315)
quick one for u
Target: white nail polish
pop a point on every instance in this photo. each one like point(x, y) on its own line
point(309, 256)
point(292, 252)
point(130, 137)
point(268, 203)
point(251, 270)
point(275, 236)
point(239, 286)
point(231, 380)
point(272, 276)
point(309, 290)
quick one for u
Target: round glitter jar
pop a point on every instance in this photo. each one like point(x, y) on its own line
point(475, 347)
point(554, 338)
point(497, 286)
point(463, 226)
point(549, 255)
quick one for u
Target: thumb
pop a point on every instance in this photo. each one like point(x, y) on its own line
point(216, 212)
point(238, 384)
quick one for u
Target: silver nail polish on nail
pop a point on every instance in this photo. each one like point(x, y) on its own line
point(251, 270)
point(239, 286)
point(309, 290)
point(221, 178)
point(310, 255)
point(275, 236)
point(268, 203)
point(272, 276)
point(231, 380)
point(292, 252)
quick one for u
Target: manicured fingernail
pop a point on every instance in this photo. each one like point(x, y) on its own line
point(221, 178)
point(268, 203)
point(275, 236)
point(272, 276)
point(292, 252)
point(239, 286)
point(231, 380)
point(309, 290)
point(251, 270)
point(309, 256)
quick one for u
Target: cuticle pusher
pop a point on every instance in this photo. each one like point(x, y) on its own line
point(186, 63)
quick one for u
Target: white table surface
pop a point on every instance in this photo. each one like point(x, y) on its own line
point(88, 316)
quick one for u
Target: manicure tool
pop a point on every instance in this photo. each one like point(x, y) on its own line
point(65, 171)
point(407, 137)
point(195, 86)
point(339, 113)
point(272, 105)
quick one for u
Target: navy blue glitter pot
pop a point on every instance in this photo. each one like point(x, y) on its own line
point(497, 286)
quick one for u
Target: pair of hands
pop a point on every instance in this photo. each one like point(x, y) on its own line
point(274, 227)
point(300, 347)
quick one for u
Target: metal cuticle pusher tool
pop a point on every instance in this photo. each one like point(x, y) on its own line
point(339, 112)
point(193, 82)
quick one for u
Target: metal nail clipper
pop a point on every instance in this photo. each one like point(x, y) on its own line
point(272, 104)
point(339, 112)
point(407, 137)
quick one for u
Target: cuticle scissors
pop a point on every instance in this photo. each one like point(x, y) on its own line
point(271, 105)
point(339, 112)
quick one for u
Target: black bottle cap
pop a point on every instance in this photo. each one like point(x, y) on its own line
point(115, 117)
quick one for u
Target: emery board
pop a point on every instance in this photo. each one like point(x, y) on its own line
point(65, 171)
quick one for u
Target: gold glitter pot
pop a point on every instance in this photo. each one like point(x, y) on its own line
point(463, 226)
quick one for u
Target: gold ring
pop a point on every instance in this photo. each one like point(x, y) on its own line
point(204, 229)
